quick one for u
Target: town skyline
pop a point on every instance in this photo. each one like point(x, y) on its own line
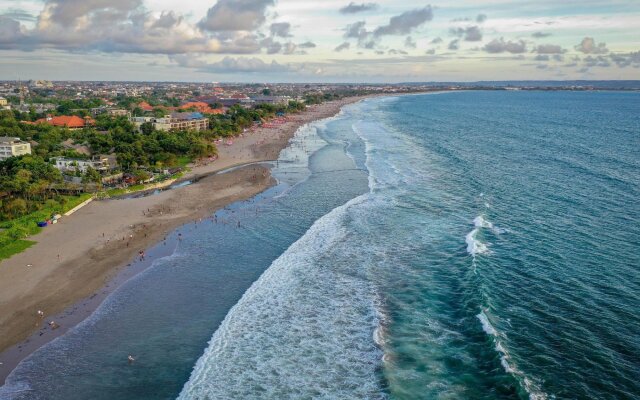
point(335, 41)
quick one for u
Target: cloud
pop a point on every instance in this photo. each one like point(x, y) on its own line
point(395, 52)
point(167, 20)
point(589, 46)
point(113, 26)
point(626, 59)
point(481, 18)
point(549, 49)
point(69, 11)
point(597, 61)
point(410, 43)
point(126, 26)
point(500, 46)
point(271, 46)
point(232, 65)
point(281, 29)
point(431, 51)
point(454, 44)
point(540, 35)
point(307, 45)
point(10, 32)
point(406, 22)
point(289, 48)
point(436, 40)
point(343, 46)
point(354, 8)
point(356, 30)
point(542, 57)
point(235, 15)
point(18, 15)
point(471, 33)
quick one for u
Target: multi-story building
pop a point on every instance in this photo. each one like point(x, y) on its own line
point(101, 164)
point(114, 112)
point(13, 147)
point(3, 102)
point(275, 100)
point(176, 121)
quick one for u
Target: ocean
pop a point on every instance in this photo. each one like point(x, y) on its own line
point(460, 245)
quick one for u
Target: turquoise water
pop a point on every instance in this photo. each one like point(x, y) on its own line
point(469, 245)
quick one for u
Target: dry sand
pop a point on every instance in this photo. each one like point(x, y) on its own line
point(78, 256)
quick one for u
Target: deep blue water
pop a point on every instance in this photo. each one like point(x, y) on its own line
point(469, 245)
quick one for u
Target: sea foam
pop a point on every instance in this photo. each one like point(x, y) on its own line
point(304, 329)
point(529, 384)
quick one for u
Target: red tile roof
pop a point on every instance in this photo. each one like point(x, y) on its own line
point(202, 107)
point(145, 106)
point(67, 121)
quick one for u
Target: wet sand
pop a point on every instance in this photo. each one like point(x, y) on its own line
point(76, 263)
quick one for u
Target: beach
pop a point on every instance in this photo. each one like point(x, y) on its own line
point(78, 257)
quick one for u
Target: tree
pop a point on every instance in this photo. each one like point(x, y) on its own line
point(147, 128)
point(15, 208)
point(91, 175)
point(140, 175)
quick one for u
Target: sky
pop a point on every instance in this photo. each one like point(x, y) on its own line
point(373, 41)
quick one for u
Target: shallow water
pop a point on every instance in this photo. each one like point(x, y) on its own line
point(456, 245)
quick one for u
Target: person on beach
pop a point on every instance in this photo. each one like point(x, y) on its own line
point(130, 359)
point(40, 314)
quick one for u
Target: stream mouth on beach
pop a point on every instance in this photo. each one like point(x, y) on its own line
point(191, 181)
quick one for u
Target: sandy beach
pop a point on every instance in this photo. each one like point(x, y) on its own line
point(75, 258)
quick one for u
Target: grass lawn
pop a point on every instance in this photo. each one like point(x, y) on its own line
point(16, 230)
point(184, 161)
point(16, 247)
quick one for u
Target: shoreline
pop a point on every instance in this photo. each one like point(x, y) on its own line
point(69, 279)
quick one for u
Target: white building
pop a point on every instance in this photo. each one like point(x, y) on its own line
point(3, 102)
point(13, 147)
point(175, 121)
point(101, 164)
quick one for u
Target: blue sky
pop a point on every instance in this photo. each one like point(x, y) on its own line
point(319, 41)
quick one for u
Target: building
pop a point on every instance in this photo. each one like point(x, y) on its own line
point(102, 164)
point(13, 147)
point(201, 107)
point(275, 100)
point(230, 101)
point(3, 102)
point(40, 83)
point(176, 121)
point(67, 121)
point(114, 112)
point(38, 108)
point(145, 106)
